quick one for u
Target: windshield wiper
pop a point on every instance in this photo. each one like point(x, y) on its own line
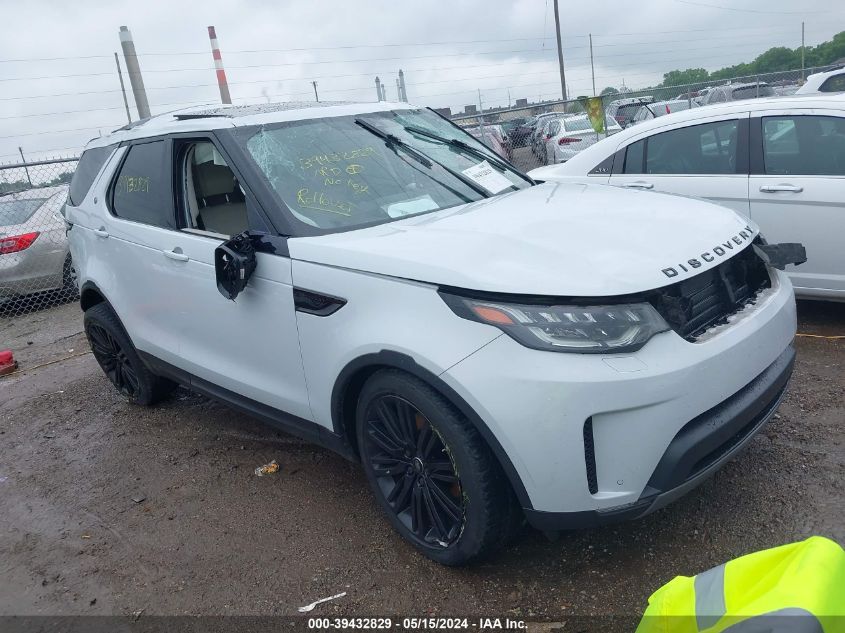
point(490, 157)
point(394, 141)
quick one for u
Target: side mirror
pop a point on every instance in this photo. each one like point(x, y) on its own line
point(234, 263)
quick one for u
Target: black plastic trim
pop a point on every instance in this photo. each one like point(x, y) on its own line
point(316, 303)
point(756, 166)
point(388, 358)
point(289, 423)
point(744, 414)
point(590, 457)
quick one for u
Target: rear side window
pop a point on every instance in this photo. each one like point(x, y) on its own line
point(833, 84)
point(804, 145)
point(142, 191)
point(89, 166)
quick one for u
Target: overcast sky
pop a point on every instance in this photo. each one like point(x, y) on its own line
point(65, 90)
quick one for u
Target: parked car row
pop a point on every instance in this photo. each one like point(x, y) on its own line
point(34, 254)
point(778, 161)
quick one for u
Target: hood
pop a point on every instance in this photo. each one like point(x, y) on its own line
point(552, 239)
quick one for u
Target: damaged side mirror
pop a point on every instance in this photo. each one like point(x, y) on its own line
point(234, 263)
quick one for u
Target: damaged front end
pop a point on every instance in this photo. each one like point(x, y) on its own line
point(695, 305)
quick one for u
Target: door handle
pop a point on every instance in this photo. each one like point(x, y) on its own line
point(176, 255)
point(777, 188)
point(101, 232)
point(639, 184)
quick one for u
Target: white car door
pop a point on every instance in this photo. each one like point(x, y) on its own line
point(797, 191)
point(249, 346)
point(131, 233)
point(704, 158)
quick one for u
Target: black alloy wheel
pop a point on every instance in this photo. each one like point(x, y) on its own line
point(113, 360)
point(414, 471)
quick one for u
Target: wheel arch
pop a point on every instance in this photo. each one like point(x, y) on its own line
point(90, 295)
point(350, 381)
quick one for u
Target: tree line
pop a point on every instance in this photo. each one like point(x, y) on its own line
point(776, 59)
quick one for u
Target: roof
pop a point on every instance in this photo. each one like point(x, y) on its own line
point(204, 118)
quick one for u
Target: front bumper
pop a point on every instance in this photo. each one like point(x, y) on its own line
point(699, 449)
point(539, 406)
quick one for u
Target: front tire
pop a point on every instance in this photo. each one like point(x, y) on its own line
point(434, 476)
point(119, 359)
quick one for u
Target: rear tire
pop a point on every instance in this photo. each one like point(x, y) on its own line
point(119, 359)
point(432, 473)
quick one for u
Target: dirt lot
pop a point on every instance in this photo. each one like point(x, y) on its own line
point(107, 508)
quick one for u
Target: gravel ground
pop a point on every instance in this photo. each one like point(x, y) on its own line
point(107, 508)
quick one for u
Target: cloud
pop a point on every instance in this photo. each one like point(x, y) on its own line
point(67, 91)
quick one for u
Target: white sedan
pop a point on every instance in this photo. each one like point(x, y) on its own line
point(567, 136)
point(779, 161)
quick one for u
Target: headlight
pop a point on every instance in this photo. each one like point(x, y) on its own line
point(624, 327)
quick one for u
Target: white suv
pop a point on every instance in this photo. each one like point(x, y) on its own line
point(490, 349)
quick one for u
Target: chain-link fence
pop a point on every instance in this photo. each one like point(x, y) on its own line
point(536, 134)
point(36, 270)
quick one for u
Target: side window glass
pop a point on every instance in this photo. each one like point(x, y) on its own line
point(710, 148)
point(634, 158)
point(554, 128)
point(804, 145)
point(833, 84)
point(86, 170)
point(214, 200)
point(143, 191)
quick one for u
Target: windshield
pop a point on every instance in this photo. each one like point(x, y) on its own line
point(335, 174)
point(18, 211)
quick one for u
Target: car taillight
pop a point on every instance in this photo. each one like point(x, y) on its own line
point(567, 140)
point(15, 243)
point(548, 136)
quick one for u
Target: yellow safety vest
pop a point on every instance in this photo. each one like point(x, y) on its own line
point(796, 588)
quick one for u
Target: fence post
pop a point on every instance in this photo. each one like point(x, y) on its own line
point(25, 167)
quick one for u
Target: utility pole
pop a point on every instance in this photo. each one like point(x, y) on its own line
point(23, 160)
point(592, 66)
point(802, 52)
point(316, 96)
point(225, 97)
point(404, 95)
point(122, 88)
point(134, 70)
point(560, 53)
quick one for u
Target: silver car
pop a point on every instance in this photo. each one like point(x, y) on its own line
point(34, 255)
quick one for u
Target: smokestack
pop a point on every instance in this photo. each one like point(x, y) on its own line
point(378, 89)
point(134, 72)
point(398, 90)
point(225, 97)
point(404, 95)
